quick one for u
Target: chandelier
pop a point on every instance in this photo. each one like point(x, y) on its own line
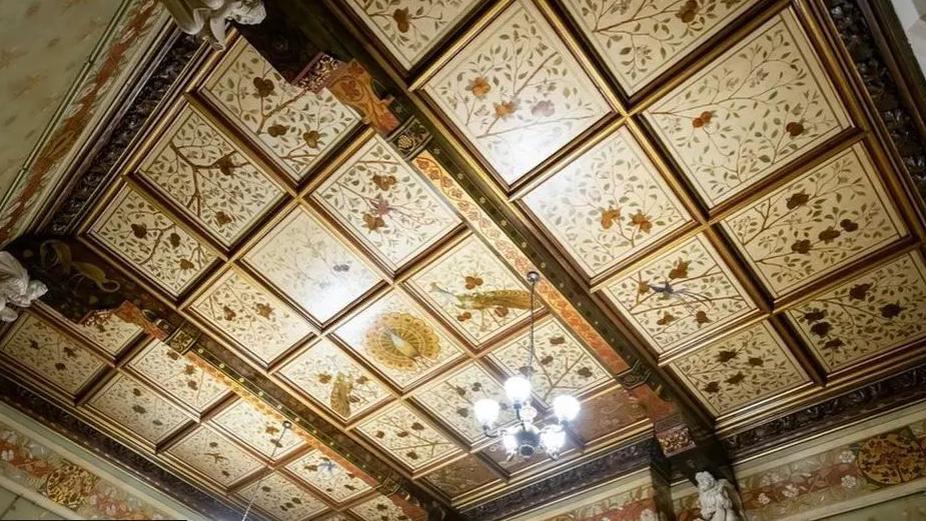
point(524, 438)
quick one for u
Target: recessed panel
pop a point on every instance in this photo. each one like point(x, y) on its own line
point(380, 508)
point(137, 408)
point(336, 482)
point(407, 437)
point(516, 93)
point(215, 456)
point(461, 476)
point(280, 497)
point(258, 429)
point(178, 376)
point(756, 108)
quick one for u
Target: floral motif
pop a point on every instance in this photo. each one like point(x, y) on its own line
point(741, 368)
point(386, 204)
point(641, 39)
point(328, 476)
point(517, 88)
point(836, 213)
point(152, 242)
point(411, 28)
point(474, 291)
point(870, 314)
point(684, 294)
point(634, 503)
point(331, 377)
point(110, 333)
point(41, 348)
point(282, 498)
point(294, 125)
point(137, 408)
point(257, 429)
point(311, 266)
point(561, 365)
point(177, 375)
point(758, 107)
point(215, 456)
point(261, 323)
point(407, 437)
point(396, 337)
point(461, 476)
point(452, 398)
point(209, 179)
point(607, 204)
point(380, 508)
point(892, 458)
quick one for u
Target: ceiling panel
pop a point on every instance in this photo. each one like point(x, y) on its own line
point(282, 498)
point(215, 456)
point(380, 508)
point(462, 476)
point(385, 204)
point(333, 480)
point(834, 214)
point(741, 368)
point(257, 429)
point(867, 315)
point(209, 179)
point(178, 376)
point(474, 291)
point(135, 407)
point(756, 108)
point(108, 333)
point(152, 242)
point(406, 436)
point(607, 204)
point(516, 87)
point(311, 265)
point(640, 39)
point(295, 127)
point(684, 293)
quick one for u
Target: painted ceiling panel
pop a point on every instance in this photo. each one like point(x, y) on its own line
point(756, 108)
point(333, 480)
point(607, 204)
point(641, 39)
point(282, 498)
point(215, 456)
point(516, 87)
point(295, 127)
point(258, 429)
point(462, 476)
point(137, 408)
point(178, 376)
point(380, 509)
point(406, 436)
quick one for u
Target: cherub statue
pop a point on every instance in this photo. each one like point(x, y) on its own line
point(206, 18)
point(15, 287)
point(716, 503)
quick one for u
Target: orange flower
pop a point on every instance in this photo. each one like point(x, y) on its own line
point(373, 222)
point(402, 22)
point(641, 221)
point(503, 110)
point(608, 216)
point(795, 128)
point(384, 182)
point(479, 87)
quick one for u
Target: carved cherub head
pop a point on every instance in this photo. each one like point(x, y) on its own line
point(705, 480)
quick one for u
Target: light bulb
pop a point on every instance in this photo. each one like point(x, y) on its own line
point(518, 389)
point(566, 408)
point(510, 442)
point(553, 438)
point(486, 412)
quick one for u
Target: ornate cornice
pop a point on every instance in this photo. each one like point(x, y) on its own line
point(83, 434)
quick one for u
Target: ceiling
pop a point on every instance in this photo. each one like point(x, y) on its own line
point(705, 171)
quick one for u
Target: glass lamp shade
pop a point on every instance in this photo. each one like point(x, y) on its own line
point(566, 408)
point(486, 412)
point(518, 389)
point(553, 438)
point(510, 442)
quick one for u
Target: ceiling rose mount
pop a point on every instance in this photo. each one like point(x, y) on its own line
point(524, 438)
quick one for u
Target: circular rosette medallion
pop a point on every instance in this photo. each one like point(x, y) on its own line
point(892, 458)
point(402, 341)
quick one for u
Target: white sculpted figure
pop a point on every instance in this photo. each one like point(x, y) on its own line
point(206, 18)
point(716, 504)
point(15, 287)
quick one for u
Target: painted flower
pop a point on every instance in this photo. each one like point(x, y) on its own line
point(506, 109)
point(402, 21)
point(847, 456)
point(543, 108)
point(479, 86)
point(648, 515)
point(764, 499)
point(849, 482)
point(790, 491)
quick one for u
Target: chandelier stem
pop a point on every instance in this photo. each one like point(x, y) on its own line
point(276, 445)
point(532, 277)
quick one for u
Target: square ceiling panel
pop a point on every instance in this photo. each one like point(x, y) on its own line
point(257, 429)
point(152, 242)
point(451, 399)
point(306, 261)
point(406, 436)
point(640, 39)
point(607, 204)
point(835, 213)
point(215, 456)
point(741, 368)
point(178, 376)
point(461, 476)
point(756, 108)
point(335, 380)
point(474, 291)
point(410, 28)
point(681, 295)
point(561, 364)
point(208, 178)
point(399, 339)
point(872, 313)
point(262, 324)
point(516, 88)
point(329, 477)
point(138, 409)
point(294, 126)
point(607, 413)
point(107, 332)
point(380, 508)
point(385, 204)
point(281, 498)
point(50, 354)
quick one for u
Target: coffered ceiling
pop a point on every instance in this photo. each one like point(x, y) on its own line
point(703, 171)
